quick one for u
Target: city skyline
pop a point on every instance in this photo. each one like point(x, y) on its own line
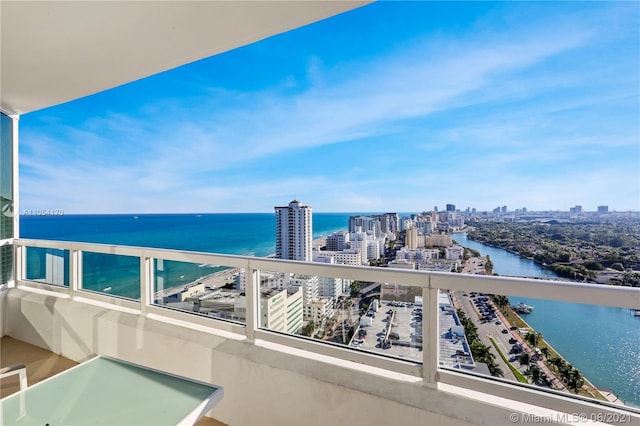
point(390, 107)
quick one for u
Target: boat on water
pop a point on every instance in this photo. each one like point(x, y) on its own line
point(522, 308)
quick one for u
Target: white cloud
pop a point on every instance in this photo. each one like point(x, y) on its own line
point(172, 156)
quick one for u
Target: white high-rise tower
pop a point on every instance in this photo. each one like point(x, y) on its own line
point(294, 232)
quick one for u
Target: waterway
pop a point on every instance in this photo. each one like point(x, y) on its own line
point(602, 342)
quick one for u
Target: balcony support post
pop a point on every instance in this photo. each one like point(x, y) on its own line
point(75, 271)
point(20, 270)
point(430, 335)
point(252, 293)
point(146, 283)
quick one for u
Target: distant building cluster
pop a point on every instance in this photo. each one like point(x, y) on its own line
point(502, 212)
point(293, 303)
point(364, 241)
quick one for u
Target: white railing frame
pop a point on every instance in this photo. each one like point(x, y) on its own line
point(430, 282)
point(252, 301)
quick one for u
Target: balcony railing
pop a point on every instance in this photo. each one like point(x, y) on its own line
point(63, 268)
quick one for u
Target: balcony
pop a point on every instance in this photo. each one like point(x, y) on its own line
point(61, 304)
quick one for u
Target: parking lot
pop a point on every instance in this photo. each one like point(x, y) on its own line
point(403, 339)
point(489, 326)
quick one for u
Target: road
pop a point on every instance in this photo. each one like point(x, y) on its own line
point(489, 329)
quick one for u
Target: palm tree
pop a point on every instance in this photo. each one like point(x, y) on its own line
point(524, 359)
point(533, 338)
point(535, 373)
point(545, 352)
point(530, 338)
point(557, 362)
point(500, 301)
point(575, 379)
point(495, 369)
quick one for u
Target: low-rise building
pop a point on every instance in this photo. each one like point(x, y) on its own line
point(342, 257)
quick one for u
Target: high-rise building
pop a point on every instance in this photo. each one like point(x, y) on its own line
point(575, 210)
point(451, 207)
point(603, 209)
point(294, 230)
point(394, 221)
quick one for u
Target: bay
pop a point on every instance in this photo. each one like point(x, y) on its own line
point(602, 342)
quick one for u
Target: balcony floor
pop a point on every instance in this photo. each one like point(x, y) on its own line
point(41, 364)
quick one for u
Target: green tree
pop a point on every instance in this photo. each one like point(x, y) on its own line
point(355, 287)
point(575, 380)
point(488, 266)
point(533, 338)
point(617, 266)
point(307, 329)
point(545, 352)
point(535, 373)
point(593, 265)
point(500, 301)
point(495, 370)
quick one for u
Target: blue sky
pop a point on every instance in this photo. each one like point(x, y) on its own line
point(392, 107)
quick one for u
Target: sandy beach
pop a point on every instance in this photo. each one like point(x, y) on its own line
point(221, 278)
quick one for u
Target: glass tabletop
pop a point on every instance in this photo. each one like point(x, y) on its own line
point(104, 391)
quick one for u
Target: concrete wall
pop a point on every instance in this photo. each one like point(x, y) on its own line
point(263, 384)
point(3, 299)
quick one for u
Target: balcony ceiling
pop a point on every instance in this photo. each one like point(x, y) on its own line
point(56, 51)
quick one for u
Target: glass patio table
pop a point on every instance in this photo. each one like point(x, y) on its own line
point(106, 391)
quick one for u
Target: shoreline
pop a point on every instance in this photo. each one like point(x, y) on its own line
point(611, 397)
point(215, 277)
point(605, 395)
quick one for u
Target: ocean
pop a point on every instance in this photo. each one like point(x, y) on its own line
point(249, 234)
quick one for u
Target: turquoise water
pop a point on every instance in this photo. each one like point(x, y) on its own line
point(250, 234)
point(602, 342)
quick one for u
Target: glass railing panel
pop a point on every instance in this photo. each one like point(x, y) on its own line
point(292, 304)
point(47, 265)
point(586, 350)
point(6, 263)
point(398, 324)
point(344, 312)
point(215, 291)
point(463, 342)
point(111, 274)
